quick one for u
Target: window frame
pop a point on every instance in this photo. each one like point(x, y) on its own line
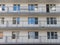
point(33, 35)
point(2, 20)
point(33, 20)
point(51, 7)
point(52, 35)
point(3, 7)
point(16, 20)
point(15, 35)
point(32, 7)
point(51, 20)
point(16, 7)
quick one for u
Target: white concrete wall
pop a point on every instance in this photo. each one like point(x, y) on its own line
point(24, 8)
point(24, 37)
point(42, 8)
point(42, 21)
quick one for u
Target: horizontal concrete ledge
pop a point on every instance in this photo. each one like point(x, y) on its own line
point(29, 44)
point(29, 14)
point(29, 28)
point(29, 1)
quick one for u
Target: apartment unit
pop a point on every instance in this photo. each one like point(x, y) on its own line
point(29, 21)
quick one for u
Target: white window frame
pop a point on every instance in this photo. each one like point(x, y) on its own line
point(55, 36)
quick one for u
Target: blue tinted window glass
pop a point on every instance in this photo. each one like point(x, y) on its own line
point(18, 7)
point(30, 7)
point(31, 20)
point(3, 7)
point(14, 7)
point(18, 20)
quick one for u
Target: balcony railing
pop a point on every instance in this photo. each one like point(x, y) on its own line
point(24, 9)
point(25, 23)
point(25, 40)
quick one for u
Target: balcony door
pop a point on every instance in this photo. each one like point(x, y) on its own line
point(47, 8)
point(15, 35)
point(50, 8)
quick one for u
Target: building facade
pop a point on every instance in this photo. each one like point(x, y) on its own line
point(29, 21)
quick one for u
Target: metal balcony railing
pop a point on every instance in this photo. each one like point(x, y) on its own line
point(24, 9)
point(26, 40)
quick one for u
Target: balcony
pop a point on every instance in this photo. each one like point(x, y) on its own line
point(24, 11)
point(23, 25)
point(25, 40)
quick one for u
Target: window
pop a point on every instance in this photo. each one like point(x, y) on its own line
point(51, 20)
point(52, 7)
point(2, 20)
point(32, 35)
point(16, 20)
point(15, 35)
point(52, 35)
point(2, 7)
point(16, 7)
point(1, 35)
point(32, 7)
point(32, 20)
